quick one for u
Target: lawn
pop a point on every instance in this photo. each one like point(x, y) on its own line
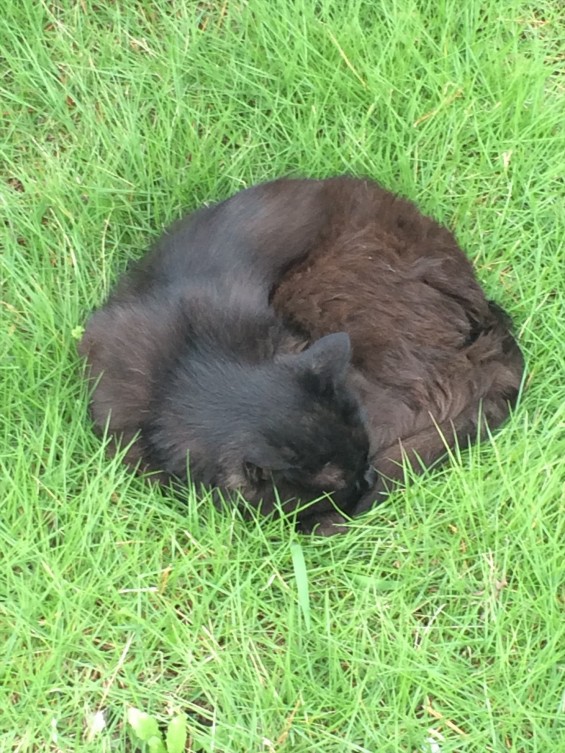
point(437, 623)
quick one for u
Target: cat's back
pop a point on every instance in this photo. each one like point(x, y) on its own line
point(385, 273)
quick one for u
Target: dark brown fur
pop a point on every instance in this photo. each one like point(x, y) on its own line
point(433, 362)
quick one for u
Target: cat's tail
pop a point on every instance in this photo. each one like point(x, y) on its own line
point(510, 356)
point(497, 372)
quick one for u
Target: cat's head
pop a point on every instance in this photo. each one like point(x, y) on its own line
point(304, 435)
point(285, 431)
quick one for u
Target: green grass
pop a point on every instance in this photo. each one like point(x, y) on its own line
point(436, 624)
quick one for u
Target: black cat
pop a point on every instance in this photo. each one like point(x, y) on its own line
point(190, 358)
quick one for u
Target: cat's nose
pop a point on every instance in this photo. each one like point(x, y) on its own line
point(368, 480)
point(370, 476)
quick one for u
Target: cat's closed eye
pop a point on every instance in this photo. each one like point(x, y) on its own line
point(329, 477)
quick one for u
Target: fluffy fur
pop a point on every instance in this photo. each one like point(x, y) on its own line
point(434, 362)
point(296, 336)
point(193, 369)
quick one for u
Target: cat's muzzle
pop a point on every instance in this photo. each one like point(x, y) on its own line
point(367, 482)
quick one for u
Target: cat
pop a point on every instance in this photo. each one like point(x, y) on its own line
point(195, 374)
point(301, 341)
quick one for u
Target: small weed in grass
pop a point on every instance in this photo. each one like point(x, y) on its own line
point(146, 729)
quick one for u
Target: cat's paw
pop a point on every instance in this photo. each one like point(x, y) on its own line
point(328, 524)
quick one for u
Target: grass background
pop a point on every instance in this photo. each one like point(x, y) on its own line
point(436, 625)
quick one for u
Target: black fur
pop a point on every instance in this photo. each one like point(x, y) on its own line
point(295, 337)
point(189, 358)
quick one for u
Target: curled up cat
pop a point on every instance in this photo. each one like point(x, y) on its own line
point(295, 344)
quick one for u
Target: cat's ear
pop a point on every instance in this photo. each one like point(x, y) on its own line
point(328, 358)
